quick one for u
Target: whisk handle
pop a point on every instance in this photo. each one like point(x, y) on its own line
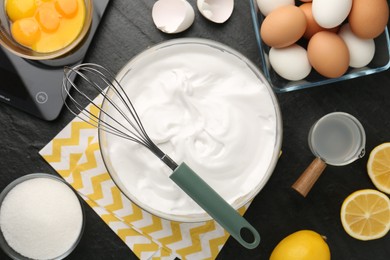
point(216, 206)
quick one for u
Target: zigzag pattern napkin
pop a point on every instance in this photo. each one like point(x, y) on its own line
point(74, 154)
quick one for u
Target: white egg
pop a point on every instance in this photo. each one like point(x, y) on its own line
point(217, 11)
point(267, 6)
point(291, 62)
point(330, 13)
point(172, 16)
point(361, 51)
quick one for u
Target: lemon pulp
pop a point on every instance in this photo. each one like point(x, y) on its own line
point(365, 214)
point(378, 167)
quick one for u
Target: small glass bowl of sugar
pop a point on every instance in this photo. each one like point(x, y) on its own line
point(41, 217)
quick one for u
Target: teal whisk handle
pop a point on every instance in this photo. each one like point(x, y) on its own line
point(216, 206)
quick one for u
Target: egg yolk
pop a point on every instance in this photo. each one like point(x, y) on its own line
point(25, 31)
point(19, 9)
point(48, 19)
point(45, 25)
point(67, 8)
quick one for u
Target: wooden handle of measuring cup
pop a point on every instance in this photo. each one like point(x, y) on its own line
point(307, 179)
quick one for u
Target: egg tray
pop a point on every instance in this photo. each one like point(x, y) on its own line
point(380, 62)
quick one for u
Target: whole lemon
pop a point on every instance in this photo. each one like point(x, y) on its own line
point(302, 245)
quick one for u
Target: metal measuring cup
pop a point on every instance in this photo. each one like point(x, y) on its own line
point(335, 139)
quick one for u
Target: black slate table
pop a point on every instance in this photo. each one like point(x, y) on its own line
point(277, 211)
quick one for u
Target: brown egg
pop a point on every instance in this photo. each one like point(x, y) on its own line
point(368, 18)
point(312, 26)
point(328, 54)
point(283, 26)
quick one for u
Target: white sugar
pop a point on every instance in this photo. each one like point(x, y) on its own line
point(41, 218)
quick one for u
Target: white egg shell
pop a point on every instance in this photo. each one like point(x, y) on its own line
point(217, 11)
point(267, 6)
point(361, 51)
point(330, 13)
point(291, 62)
point(172, 16)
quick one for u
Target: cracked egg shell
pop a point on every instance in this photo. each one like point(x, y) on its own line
point(172, 16)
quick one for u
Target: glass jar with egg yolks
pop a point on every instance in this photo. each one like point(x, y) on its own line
point(45, 25)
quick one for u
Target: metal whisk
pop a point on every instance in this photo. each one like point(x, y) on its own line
point(101, 81)
point(95, 80)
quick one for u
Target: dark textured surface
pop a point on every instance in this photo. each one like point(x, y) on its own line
point(277, 211)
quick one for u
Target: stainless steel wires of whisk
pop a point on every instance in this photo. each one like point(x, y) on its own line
point(92, 80)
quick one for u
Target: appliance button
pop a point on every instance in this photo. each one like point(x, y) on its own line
point(41, 97)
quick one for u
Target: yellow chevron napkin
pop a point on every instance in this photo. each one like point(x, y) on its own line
point(74, 154)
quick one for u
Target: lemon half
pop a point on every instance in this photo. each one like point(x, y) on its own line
point(378, 167)
point(365, 214)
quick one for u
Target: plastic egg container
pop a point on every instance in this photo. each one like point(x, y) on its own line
point(311, 43)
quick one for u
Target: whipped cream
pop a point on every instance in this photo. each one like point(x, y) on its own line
point(202, 106)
